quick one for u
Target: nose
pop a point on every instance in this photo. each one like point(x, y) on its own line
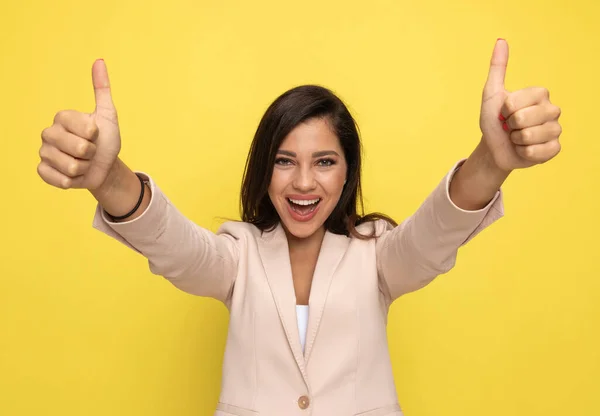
point(304, 180)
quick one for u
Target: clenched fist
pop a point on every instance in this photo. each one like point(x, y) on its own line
point(80, 149)
point(520, 128)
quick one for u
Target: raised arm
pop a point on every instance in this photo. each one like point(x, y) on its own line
point(519, 130)
point(192, 258)
point(426, 244)
point(81, 151)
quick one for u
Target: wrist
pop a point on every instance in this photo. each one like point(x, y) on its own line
point(120, 191)
point(486, 165)
point(111, 182)
point(477, 180)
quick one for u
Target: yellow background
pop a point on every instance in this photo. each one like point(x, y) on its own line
point(85, 329)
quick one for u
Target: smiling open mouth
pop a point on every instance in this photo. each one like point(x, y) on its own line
point(303, 207)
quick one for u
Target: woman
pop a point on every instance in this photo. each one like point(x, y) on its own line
point(307, 280)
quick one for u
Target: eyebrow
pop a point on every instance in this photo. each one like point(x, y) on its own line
point(315, 154)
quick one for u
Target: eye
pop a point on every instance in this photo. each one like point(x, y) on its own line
point(283, 161)
point(326, 162)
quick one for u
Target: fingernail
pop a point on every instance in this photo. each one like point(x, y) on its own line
point(501, 117)
point(505, 126)
point(499, 39)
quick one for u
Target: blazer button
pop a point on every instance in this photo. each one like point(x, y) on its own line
point(303, 402)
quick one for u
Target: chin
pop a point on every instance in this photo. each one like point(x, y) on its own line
point(301, 231)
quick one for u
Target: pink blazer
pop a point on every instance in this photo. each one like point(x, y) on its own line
point(345, 368)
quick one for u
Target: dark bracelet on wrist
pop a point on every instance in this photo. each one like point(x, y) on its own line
point(139, 202)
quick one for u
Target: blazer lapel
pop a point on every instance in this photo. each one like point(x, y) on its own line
point(333, 248)
point(275, 256)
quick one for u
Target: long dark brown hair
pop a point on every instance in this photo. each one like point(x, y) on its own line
point(283, 115)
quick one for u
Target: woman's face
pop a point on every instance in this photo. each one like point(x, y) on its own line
point(308, 177)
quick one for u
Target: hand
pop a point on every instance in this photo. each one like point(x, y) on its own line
point(79, 149)
point(520, 129)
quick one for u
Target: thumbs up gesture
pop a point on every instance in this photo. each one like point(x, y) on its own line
point(79, 149)
point(520, 128)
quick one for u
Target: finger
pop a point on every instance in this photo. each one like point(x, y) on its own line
point(53, 177)
point(533, 116)
point(80, 124)
point(102, 86)
point(537, 134)
point(497, 72)
point(69, 143)
point(62, 162)
point(526, 97)
point(539, 153)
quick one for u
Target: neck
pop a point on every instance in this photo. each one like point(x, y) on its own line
point(307, 244)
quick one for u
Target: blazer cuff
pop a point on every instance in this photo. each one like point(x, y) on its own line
point(450, 213)
point(145, 228)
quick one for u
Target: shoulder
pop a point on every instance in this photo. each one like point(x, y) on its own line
point(376, 227)
point(239, 229)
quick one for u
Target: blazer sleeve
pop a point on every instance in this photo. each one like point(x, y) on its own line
point(192, 258)
point(425, 245)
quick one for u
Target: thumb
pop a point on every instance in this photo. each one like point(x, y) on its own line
point(101, 86)
point(499, 61)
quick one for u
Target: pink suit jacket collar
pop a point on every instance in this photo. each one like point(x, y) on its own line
point(274, 253)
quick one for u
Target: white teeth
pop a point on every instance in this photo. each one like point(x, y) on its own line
point(304, 201)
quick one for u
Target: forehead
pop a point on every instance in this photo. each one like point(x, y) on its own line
point(311, 136)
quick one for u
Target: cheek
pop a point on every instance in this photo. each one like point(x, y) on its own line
point(334, 184)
